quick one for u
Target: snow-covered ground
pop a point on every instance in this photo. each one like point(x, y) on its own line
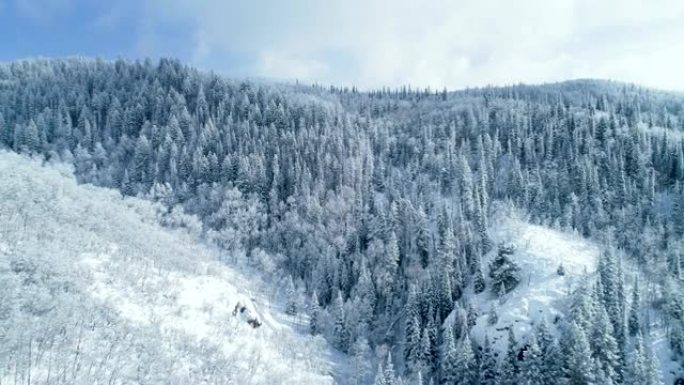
point(127, 292)
point(542, 293)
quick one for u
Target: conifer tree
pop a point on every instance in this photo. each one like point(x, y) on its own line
point(314, 315)
point(604, 346)
point(465, 364)
point(449, 359)
point(580, 366)
point(291, 298)
point(504, 272)
point(362, 368)
point(532, 365)
point(633, 323)
point(549, 353)
point(412, 348)
point(340, 330)
point(509, 364)
point(389, 375)
point(380, 376)
point(488, 368)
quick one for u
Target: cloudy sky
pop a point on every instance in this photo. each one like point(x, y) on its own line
point(368, 43)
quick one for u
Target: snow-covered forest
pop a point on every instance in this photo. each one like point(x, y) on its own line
point(494, 236)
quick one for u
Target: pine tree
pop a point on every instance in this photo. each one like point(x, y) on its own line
point(471, 315)
point(604, 346)
point(314, 315)
point(412, 351)
point(365, 292)
point(388, 373)
point(340, 330)
point(31, 137)
point(638, 372)
point(425, 353)
point(654, 374)
point(380, 376)
point(633, 324)
point(433, 334)
point(362, 368)
point(423, 238)
point(488, 367)
point(449, 368)
point(466, 364)
point(466, 186)
point(509, 365)
point(503, 271)
point(550, 355)
point(479, 284)
point(532, 366)
point(141, 160)
point(580, 366)
point(291, 298)
point(446, 302)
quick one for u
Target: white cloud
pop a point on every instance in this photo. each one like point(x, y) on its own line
point(453, 43)
point(290, 67)
point(42, 11)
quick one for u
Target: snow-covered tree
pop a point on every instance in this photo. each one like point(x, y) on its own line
point(505, 274)
point(291, 298)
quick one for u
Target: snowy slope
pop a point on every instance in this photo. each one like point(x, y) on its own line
point(542, 293)
point(95, 291)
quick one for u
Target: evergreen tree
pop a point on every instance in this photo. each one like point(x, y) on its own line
point(479, 284)
point(633, 323)
point(509, 366)
point(423, 238)
point(388, 373)
point(425, 354)
point(291, 298)
point(550, 355)
point(504, 272)
point(532, 365)
point(412, 346)
point(638, 372)
point(380, 376)
point(340, 330)
point(604, 346)
point(580, 366)
point(449, 369)
point(314, 315)
point(465, 363)
point(488, 368)
point(362, 367)
point(471, 315)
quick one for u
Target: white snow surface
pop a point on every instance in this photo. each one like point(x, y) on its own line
point(149, 278)
point(542, 293)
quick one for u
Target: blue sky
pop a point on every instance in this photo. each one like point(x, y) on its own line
point(368, 43)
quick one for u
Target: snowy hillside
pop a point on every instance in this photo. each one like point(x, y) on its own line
point(542, 293)
point(95, 291)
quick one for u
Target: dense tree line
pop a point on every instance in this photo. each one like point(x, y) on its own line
point(378, 204)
